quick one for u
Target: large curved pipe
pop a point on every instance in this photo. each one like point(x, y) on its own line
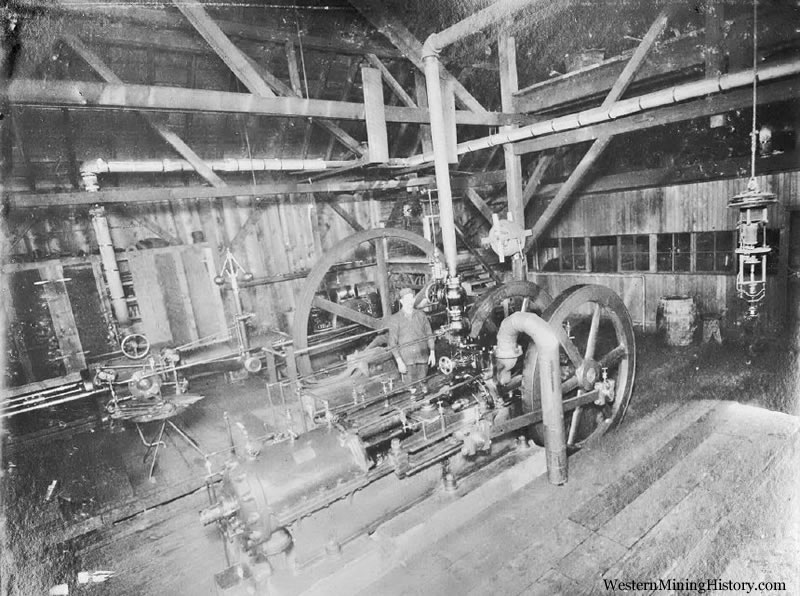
point(546, 358)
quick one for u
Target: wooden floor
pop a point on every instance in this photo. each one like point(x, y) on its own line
point(688, 491)
point(680, 494)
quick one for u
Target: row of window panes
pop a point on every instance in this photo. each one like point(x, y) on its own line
point(713, 252)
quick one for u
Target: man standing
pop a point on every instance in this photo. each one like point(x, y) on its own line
point(411, 339)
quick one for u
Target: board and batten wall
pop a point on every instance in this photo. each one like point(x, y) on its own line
point(695, 207)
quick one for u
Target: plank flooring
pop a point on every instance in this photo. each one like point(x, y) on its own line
point(678, 505)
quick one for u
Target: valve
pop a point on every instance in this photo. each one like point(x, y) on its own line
point(506, 237)
point(605, 389)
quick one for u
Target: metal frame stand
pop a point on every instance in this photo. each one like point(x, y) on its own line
point(154, 445)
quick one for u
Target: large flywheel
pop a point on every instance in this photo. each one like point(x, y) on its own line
point(311, 299)
point(598, 362)
point(486, 314)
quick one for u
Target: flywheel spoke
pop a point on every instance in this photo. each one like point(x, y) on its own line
point(591, 342)
point(614, 357)
point(566, 343)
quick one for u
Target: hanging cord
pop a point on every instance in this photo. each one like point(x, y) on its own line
point(302, 55)
point(753, 132)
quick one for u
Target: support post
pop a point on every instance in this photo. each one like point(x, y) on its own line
point(377, 137)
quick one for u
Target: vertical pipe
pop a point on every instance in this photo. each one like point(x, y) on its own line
point(544, 359)
point(109, 260)
point(440, 162)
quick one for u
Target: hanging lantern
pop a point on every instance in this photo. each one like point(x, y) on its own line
point(752, 248)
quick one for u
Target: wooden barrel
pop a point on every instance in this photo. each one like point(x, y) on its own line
point(676, 318)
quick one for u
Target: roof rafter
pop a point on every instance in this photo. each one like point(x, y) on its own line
point(170, 137)
point(409, 45)
point(161, 19)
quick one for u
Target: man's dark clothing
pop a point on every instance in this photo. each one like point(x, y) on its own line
point(411, 337)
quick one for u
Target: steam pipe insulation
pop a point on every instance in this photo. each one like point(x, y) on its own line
point(101, 166)
point(430, 58)
point(545, 358)
point(619, 109)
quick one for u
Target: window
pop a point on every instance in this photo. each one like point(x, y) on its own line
point(604, 254)
point(634, 253)
point(573, 254)
point(673, 252)
point(715, 251)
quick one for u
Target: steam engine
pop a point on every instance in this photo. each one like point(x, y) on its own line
point(379, 433)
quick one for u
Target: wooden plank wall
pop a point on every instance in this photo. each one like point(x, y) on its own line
point(281, 237)
point(696, 207)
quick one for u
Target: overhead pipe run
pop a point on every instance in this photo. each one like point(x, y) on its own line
point(626, 107)
point(544, 357)
point(90, 169)
point(433, 45)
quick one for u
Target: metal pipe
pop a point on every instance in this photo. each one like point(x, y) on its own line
point(498, 11)
point(430, 58)
point(110, 267)
point(101, 166)
point(626, 107)
point(441, 164)
point(545, 359)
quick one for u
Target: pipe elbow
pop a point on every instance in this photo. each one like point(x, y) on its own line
point(93, 166)
point(431, 48)
point(531, 325)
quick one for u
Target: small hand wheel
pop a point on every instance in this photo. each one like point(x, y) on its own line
point(446, 365)
point(135, 346)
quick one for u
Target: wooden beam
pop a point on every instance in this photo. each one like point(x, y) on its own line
point(352, 68)
point(294, 72)
point(422, 101)
point(285, 91)
point(100, 67)
point(598, 147)
point(89, 95)
point(19, 138)
point(480, 204)
point(717, 104)
point(334, 204)
point(229, 53)
point(274, 190)
point(509, 83)
point(394, 85)
point(6, 142)
point(399, 35)
point(68, 132)
point(542, 164)
point(681, 55)
point(322, 83)
point(377, 137)
point(120, 25)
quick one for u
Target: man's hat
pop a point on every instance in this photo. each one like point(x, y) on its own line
point(405, 292)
